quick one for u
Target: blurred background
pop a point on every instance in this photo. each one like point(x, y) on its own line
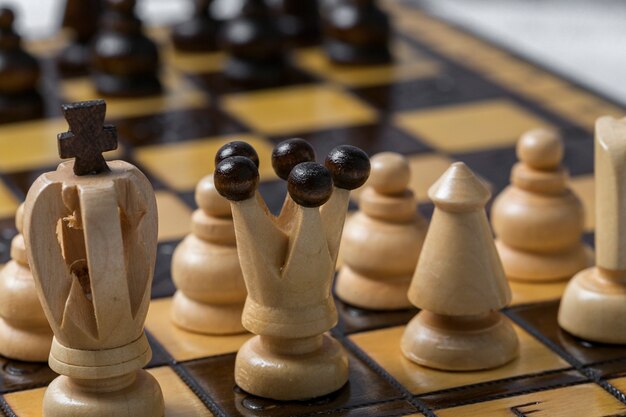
point(582, 39)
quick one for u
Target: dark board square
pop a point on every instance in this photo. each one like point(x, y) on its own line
point(215, 375)
point(216, 83)
point(385, 409)
point(19, 376)
point(494, 165)
point(175, 126)
point(502, 388)
point(450, 87)
point(353, 319)
point(162, 285)
point(371, 138)
point(542, 319)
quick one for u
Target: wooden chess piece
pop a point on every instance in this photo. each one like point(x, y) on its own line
point(356, 32)
point(125, 62)
point(24, 331)
point(594, 303)
point(288, 267)
point(255, 46)
point(459, 284)
point(91, 235)
point(382, 242)
point(205, 269)
point(538, 220)
point(300, 21)
point(81, 17)
point(199, 33)
point(19, 75)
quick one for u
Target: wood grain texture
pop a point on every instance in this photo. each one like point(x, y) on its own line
point(96, 305)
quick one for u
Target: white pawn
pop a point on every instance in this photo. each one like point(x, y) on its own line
point(382, 242)
point(24, 330)
point(205, 269)
point(538, 220)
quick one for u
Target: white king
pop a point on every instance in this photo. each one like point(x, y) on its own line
point(288, 263)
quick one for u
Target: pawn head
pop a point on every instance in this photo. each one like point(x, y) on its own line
point(236, 178)
point(349, 166)
point(237, 148)
point(540, 149)
point(289, 153)
point(390, 173)
point(310, 184)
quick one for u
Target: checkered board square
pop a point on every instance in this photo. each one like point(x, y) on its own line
point(448, 95)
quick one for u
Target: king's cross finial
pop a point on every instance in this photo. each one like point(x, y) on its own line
point(87, 137)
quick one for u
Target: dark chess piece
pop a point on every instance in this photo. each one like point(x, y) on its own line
point(125, 62)
point(199, 33)
point(356, 32)
point(299, 21)
point(19, 75)
point(81, 16)
point(255, 46)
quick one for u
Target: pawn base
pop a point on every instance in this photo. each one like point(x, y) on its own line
point(29, 345)
point(347, 54)
point(288, 377)
point(373, 294)
point(204, 318)
point(255, 73)
point(460, 343)
point(21, 106)
point(140, 397)
point(74, 60)
point(537, 267)
point(139, 85)
point(196, 35)
point(593, 308)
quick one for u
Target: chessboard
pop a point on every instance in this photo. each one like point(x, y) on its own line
point(448, 96)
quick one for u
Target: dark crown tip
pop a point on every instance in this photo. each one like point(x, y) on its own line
point(237, 148)
point(310, 184)
point(349, 166)
point(289, 153)
point(236, 178)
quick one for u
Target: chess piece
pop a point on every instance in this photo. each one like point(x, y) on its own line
point(19, 75)
point(299, 21)
point(81, 17)
point(125, 62)
point(206, 271)
point(538, 220)
point(288, 269)
point(199, 33)
point(356, 32)
point(254, 45)
point(594, 303)
point(382, 242)
point(91, 242)
point(459, 284)
point(24, 331)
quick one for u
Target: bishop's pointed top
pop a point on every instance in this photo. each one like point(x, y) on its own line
point(459, 189)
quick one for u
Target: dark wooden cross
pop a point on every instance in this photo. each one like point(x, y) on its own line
point(87, 137)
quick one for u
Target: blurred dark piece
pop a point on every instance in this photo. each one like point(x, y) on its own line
point(199, 33)
point(81, 17)
point(19, 75)
point(299, 21)
point(125, 63)
point(255, 45)
point(356, 32)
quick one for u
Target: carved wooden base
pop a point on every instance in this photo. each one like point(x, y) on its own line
point(69, 397)
point(593, 306)
point(25, 344)
point(206, 318)
point(539, 267)
point(361, 291)
point(463, 343)
point(291, 369)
